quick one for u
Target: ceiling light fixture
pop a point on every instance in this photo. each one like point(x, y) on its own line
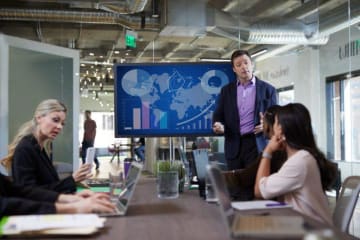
point(283, 37)
point(259, 52)
point(214, 60)
point(105, 63)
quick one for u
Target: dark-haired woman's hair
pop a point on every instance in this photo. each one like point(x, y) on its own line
point(295, 122)
point(269, 119)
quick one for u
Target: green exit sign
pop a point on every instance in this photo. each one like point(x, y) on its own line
point(130, 39)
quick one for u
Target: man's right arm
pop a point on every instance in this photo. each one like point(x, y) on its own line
point(218, 115)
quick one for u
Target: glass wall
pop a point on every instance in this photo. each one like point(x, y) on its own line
point(343, 111)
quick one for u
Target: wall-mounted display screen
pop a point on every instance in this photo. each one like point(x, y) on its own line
point(167, 99)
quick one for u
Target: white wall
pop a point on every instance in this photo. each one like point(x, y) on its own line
point(298, 69)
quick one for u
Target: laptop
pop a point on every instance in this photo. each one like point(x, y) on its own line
point(123, 200)
point(245, 225)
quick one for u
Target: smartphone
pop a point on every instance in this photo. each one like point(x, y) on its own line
point(90, 155)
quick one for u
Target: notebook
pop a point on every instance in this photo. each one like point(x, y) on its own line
point(123, 201)
point(243, 225)
point(51, 224)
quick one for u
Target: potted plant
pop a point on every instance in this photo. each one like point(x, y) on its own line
point(178, 166)
point(163, 167)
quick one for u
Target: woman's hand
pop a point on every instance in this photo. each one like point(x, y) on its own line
point(277, 142)
point(84, 172)
point(94, 205)
point(68, 198)
point(99, 203)
point(85, 193)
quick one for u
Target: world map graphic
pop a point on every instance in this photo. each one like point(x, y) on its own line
point(190, 98)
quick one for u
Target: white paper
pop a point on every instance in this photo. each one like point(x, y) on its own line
point(18, 224)
point(258, 204)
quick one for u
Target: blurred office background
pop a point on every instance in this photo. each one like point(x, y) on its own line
point(308, 49)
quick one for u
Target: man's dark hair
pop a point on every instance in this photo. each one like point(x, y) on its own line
point(87, 111)
point(239, 53)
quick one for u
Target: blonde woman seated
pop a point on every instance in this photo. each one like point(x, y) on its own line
point(305, 175)
point(28, 159)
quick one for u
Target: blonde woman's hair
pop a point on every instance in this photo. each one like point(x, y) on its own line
point(44, 108)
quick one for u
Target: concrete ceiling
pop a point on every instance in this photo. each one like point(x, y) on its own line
point(167, 31)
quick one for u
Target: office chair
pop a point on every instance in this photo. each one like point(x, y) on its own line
point(346, 203)
point(201, 159)
point(219, 159)
point(183, 158)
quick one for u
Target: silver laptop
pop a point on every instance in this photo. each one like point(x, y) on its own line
point(123, 200)
point(243, 225)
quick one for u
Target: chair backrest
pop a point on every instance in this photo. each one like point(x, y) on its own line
point(346, 203)
point(183, 158)
point(337, 184)
point(201, 159)
point(219, 159)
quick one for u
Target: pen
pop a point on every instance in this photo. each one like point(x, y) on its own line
point(275, 204)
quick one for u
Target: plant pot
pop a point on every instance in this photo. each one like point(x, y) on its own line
point(168, 184)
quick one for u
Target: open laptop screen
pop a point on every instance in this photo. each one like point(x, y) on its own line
point(131, 179)
point(221, 192)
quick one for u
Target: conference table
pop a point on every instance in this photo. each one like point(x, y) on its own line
point(187, 217)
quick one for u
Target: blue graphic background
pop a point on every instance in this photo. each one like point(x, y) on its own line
point(181, 97)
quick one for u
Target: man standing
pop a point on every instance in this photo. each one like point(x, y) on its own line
point(238, 112)
point(89, 137)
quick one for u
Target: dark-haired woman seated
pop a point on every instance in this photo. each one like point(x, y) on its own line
point(305, 175)
point(243, 180)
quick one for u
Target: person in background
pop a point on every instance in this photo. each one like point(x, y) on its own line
point(202, 143)
point(89, 137)
point(243, 180)
point(305, 175)
point(140, 149)
point(19, 200)
point(28, 156)
point(237, 114)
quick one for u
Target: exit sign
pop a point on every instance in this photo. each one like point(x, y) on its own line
point(130, 39)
